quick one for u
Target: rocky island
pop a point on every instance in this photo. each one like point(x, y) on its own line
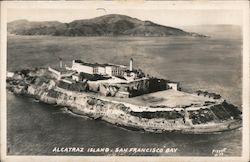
point(125, 96)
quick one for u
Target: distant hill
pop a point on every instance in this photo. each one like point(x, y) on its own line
point(108, 25)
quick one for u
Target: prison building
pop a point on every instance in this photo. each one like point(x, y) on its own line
point(101, 69)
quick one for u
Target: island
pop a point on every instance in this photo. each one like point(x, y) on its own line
point(127, 97)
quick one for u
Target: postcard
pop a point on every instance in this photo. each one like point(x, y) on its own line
point(124, 81)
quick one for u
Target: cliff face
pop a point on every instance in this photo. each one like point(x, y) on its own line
point(219, 117)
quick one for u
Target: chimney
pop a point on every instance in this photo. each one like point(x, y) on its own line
point(61, 65)
point(131, 65)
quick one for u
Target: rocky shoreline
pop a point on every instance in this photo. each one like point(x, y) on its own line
point(213, 118)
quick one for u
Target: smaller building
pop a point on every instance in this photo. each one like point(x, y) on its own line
point(61, 72)
point(173, 85)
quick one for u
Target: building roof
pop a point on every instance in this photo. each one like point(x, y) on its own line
point(173, 82)
point(61, 70)
point(97, 64)
point(91, 64)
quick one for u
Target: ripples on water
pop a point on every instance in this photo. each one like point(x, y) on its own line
point(36, 128)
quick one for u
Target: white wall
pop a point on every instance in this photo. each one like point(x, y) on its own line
point(108, 70)
point(174, 86)
point(101, 70)
point(82, 68)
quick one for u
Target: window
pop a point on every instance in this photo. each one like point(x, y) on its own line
point(95, 70)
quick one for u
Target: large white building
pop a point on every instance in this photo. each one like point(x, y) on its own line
point(102, 69)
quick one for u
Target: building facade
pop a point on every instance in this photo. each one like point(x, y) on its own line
point(101, 69)
point(80, 66)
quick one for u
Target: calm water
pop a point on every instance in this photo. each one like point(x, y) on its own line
point(36, 128)
point(211, 64)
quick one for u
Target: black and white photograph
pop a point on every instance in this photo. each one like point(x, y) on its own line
point(123, 79)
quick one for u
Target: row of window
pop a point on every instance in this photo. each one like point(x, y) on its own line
point(117, 72)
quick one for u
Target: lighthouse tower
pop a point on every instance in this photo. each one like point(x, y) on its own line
point(131, 65)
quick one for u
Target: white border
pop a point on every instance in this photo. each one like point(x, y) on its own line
point(241, 5)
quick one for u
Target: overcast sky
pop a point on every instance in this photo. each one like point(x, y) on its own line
point(160, 16)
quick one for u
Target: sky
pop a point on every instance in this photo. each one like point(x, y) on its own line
point(184, 17)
